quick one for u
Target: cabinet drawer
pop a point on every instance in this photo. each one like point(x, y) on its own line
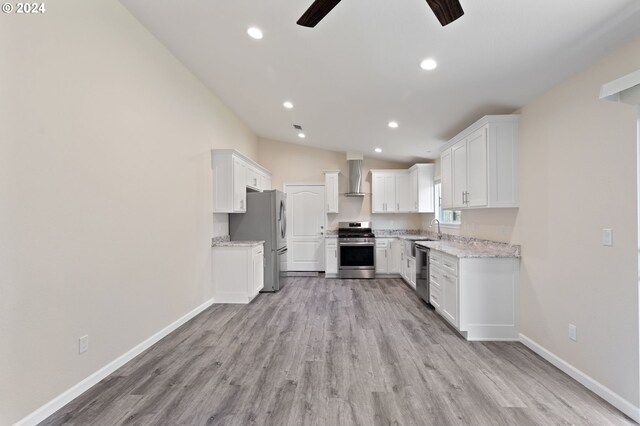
point(258, 250)
point(449, 264)
point(331, 242)
point(435, 296)
point(435, 278)
point(382, 242)
point(435, 258)
point(444, 262)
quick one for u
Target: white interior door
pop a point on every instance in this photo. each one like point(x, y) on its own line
point(306, 219)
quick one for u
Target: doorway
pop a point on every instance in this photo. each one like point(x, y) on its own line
point(306, 218)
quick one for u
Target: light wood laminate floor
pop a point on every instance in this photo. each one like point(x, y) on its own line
point(334, 352)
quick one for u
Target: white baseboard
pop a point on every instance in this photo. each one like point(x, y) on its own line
point(70, 394)
point(593, 385)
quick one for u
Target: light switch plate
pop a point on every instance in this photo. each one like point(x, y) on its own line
point(573, 332)
point(607, 237)
point(83, 344)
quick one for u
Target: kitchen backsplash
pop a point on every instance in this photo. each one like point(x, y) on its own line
point(359, 209)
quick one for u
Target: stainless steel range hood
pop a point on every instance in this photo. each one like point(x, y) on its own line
point(355, 179)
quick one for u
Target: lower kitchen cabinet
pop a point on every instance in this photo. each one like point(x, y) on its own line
point(383, 256)
point(411, 271)
point(331, 258)
point(238, 273)
point(478, 296)
point(395, 247)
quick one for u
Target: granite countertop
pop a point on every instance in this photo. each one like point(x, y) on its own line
point(224, 241)
point(404, 234)
point(237, 244)
point(473, 249)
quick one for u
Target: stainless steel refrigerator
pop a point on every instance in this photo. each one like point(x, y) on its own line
point(265, 219)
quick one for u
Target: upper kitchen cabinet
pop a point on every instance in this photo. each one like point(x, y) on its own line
point(403, 191)
point(479, 166)
point(332, 191)
point(233, 173)
point(421, 188)
point(383, 191)
point(446, 178)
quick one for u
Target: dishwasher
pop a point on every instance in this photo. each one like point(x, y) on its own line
point(422, 273)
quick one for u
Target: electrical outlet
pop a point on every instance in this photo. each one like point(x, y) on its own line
point(607, 237)
point(573, 332)
point(83, 343)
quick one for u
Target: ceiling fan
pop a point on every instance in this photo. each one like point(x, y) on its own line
point(446, 11)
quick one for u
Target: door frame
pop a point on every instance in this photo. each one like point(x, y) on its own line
point(287, 185)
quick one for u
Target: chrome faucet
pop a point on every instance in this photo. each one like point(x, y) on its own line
point(434, 220)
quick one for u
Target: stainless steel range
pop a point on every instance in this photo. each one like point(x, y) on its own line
point(356, 250)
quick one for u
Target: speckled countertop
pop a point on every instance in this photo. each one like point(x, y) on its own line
point(462, 247)
point(475, 248)
point(225, 242)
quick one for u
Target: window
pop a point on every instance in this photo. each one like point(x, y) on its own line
point(446, 217)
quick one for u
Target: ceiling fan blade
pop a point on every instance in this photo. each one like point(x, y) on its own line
point(446, 11)
point(316, 12)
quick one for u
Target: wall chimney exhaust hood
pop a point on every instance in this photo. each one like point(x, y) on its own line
point(355, 179)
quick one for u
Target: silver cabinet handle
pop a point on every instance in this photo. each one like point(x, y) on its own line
point(385, 254)
point(398, 206)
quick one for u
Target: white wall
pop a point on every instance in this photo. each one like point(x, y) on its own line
point(578, 176)
point(293, 163)
point(105, 188)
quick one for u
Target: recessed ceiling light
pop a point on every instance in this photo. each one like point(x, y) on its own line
point(255, 33)
point(302, 135)
point(287, 105)
point(378, 150)
point(428, 64)
point(393, 124)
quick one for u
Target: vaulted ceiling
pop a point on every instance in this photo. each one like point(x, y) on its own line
point(359, 68)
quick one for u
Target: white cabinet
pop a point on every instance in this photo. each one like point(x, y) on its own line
point(253, 181)
point(469, 159)
point(446, 176)
point(403, 191)
point(233, 173)
point(479, 166)
point(237, 273)
point(239, 186)
point(332, 191)
point(421, 188)
point(383, 191)
point(449, 305)
point(395, 261)
point(264, 181)
point(331, 263)
point(411, 271)
point(258, 270)
point(383, 256)
point(478, 296)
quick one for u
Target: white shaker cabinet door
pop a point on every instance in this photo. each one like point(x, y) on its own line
point(459, 173)
point(239, 186)
point(476, 195)
point(446, 176)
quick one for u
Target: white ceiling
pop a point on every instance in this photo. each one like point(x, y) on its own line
point(359, 68)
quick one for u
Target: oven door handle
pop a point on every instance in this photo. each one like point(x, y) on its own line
point(356, 244)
